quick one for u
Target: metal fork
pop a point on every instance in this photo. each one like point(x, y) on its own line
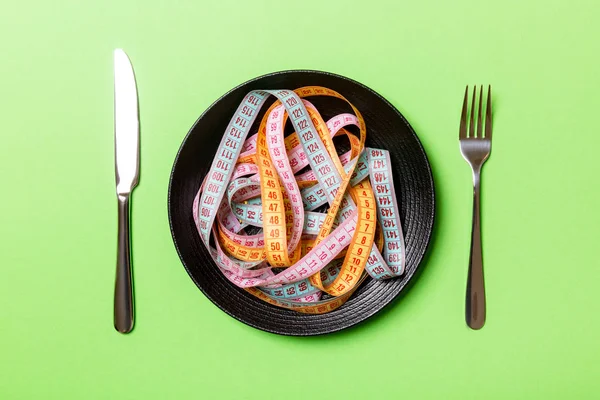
point(475, 148)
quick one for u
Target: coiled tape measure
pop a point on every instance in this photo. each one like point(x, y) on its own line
point(303, 260)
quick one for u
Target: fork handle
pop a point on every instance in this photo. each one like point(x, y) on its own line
point(123, 283)
point(475, 302)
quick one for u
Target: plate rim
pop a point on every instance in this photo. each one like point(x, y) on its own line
point(420, 257)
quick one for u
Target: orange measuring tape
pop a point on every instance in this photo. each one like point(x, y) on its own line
point(302, 259)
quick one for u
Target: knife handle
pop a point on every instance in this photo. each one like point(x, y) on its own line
point(123, 282)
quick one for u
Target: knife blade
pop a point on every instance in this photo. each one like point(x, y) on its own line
point(127, 169)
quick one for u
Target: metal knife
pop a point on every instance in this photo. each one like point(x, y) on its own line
point(127, 168)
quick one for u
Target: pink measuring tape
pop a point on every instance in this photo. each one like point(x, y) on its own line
point(300, 258)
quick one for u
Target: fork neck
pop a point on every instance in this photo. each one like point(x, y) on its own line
point(476, 174)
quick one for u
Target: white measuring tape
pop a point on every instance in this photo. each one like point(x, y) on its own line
point(261, 181)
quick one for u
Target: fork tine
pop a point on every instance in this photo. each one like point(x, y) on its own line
point(479, 127)
point(488, 114)
point(462, 132)
point(472, 116)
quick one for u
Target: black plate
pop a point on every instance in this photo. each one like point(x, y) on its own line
point(386, 129)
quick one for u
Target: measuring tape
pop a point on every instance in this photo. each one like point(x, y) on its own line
point(300, 259)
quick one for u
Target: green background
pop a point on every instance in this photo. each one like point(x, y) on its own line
point(540, 199)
